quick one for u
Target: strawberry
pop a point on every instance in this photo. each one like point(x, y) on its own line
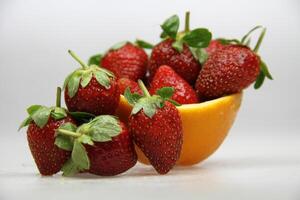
point(182, 62)
point(91, 89)
point(214, 46)
point(112, 157)
point(43, 122)
point(182, 51)
point(102, 146)
point(123, 83)
point(155, 125)
point(165, 76)
point(231, 69)
point(126, 60)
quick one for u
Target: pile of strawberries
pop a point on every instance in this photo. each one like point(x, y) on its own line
point(184, 68)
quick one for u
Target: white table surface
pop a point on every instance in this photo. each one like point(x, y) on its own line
point(256, 167)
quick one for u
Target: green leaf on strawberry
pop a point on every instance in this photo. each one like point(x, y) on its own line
point(225, 41)
point(69, 137)
point(63, 141)
point(26, 122)
point(70, 168)
point(73, 84)
point(264, 72)
point(82, 117)
point(170, 26)
point(33, 108)
point(196, 39)
point(58, 113)
point(178, 45)
point(259, 80)
point(132, 98)
point(95, 59)
point(84, 75)
point(79, 160)
point(86, 139)
point(86, 78)
point(40, 114)
point(79, 156)
point(143, 44)
point(149, 104)
point(200, 54)
point(102, 128)
point(165, 92)
point(102, 79)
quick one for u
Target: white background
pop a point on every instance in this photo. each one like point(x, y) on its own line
point(35, 37)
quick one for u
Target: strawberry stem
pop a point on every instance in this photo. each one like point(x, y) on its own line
point(187, 22)
point(84, 66)
point(69, 133)
point(259, 41)
point(58, 96)
point(143, 88)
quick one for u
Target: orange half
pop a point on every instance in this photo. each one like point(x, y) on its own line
point(205, 126)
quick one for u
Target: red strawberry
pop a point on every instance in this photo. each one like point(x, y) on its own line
point(127, 61)
point(183, 63)
point(48, 157)
point(166, 77)
point(112, 157)
point(227, 71)
point(102, 146)
point(181, 51)
point(43, 122)
point(123, 83)
point(156, 128)
point(91, 89)
point(214, 46)
point(231, 69)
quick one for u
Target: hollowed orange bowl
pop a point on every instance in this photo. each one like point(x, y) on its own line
point(205, 126)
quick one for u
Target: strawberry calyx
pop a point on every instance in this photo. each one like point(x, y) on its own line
point(245, 41)
point(196, 39)
point(143, 44)
point(138, 42)
point(149, 103)
point(71, 138)
point(96, 59)
point(40, 114)
point(84, 75)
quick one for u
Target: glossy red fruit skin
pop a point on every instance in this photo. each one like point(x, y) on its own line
point(48, 157)
point(129, 61)
point(165, 76)
point(123, 83)
point(184, 63)
point(227, 71)
point(160, 137)
point(94, 98)
point(112, 157)
point(214, 45)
